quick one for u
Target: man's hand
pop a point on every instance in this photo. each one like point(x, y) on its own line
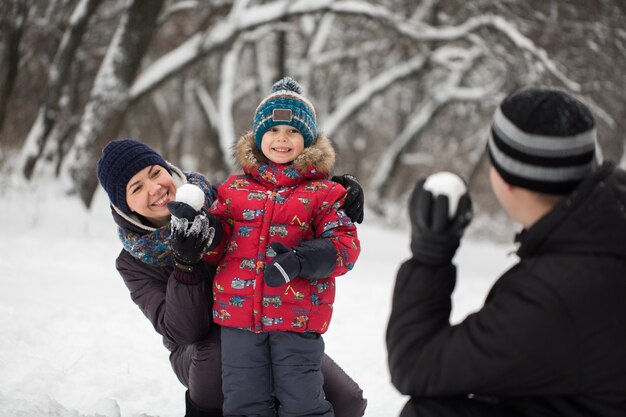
point(436, 237)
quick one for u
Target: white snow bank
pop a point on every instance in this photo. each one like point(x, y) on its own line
point(73, 344)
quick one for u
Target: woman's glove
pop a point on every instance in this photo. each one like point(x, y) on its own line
point(354, 203)
point(193, 233)
point(312, 259)
point(436, 237)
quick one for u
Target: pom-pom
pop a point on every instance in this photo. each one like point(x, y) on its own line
point(448, 184)
point(191, 194)
point(288, 84)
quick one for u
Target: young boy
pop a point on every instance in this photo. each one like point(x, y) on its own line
point(550, 338)
point(274, 288)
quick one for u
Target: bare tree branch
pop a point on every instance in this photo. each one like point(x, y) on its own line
point(364, 93)
point(442, 94)
point(59, 71)
point(226, 128)
point(109, 97)
point(173, 9)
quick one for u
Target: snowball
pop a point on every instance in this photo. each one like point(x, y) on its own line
point(448, 184)
point(190, 194)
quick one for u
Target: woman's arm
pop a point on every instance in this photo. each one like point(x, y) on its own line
point(177, 303)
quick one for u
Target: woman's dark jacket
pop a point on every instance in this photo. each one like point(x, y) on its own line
point(176, 302)
point(179, 309)
point(551, 337)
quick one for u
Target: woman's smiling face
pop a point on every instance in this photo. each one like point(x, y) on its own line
point(149, 191)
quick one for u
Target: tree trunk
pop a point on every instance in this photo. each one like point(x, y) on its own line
point(59, 71)
point(13, 25)
point(109, 100)
point(281, 53)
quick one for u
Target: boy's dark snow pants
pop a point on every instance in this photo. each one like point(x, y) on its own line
point(255, 365)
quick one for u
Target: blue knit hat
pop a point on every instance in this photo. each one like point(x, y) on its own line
point(285, 106)
point(119, 162)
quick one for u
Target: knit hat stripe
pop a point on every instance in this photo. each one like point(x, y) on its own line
point(288, 103)
point(534, 172)
point(549, 157)
point(301, 123)
point(539, 145)
point(289, 95)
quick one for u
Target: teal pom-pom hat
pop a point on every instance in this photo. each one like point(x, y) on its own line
point(285, 106)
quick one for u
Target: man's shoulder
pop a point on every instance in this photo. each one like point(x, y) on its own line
point(568, 277)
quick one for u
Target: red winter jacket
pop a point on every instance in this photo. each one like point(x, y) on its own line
point(290, 204)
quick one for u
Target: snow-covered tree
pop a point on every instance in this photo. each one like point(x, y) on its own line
point(403, 88)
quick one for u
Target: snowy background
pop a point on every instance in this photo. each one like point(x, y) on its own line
point(386, 77)
point(73, 344)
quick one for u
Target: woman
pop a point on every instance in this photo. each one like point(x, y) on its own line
point(177, 299)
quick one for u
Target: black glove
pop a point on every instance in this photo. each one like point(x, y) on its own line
point(435, 238)
point(312, 259)
point(182, 210)
point(193, 233)
point(354, 203)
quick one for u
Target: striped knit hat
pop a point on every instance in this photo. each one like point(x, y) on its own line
point(285, 106)
point(543, 140)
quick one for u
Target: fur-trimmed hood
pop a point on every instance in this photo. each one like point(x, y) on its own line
point(320, 155)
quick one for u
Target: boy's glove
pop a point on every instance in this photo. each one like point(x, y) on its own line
point(193, 233)
point(435, 237)
point(354, 203)
point(312, 259)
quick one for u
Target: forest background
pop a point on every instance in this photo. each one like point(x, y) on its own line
point(404, 88)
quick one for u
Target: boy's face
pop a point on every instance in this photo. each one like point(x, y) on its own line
point(282, 144)
point(149, 191)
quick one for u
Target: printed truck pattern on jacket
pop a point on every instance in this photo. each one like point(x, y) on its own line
point(279, 203)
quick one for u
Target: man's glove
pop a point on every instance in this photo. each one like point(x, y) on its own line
point(354, 203)
point(435, 237)
point(193, 233)
point(312, 259)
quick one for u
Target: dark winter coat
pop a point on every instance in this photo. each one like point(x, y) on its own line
point(551, 337)
point(178, 304)
point(287, 203)
point(145, 264)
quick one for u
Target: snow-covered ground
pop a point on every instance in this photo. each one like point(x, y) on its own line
point(73, 344)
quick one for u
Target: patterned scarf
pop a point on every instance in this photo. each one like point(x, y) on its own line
point(153, 248)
